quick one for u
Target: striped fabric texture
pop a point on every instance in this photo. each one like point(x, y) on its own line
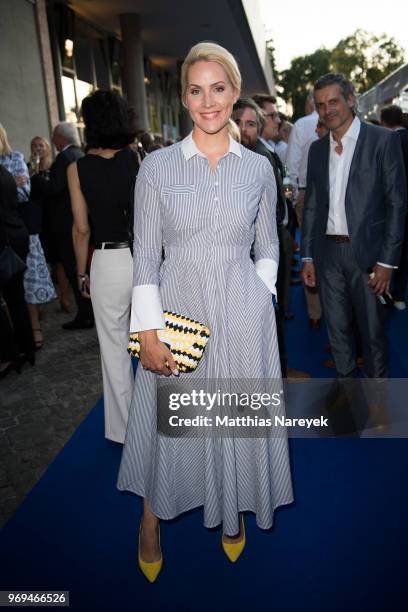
point(206, 223)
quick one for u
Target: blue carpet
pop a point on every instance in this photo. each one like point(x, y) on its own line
point(306, 347)
point(341, 547)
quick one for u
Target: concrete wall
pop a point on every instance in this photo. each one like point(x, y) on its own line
point(253, 13)
point(23, 107)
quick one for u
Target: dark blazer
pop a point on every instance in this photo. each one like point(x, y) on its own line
point(278, 171)
point(403, 134)
point(12, 228)
point(56, 190)
point(376, 198)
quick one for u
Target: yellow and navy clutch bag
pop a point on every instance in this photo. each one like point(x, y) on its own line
point(186, 339)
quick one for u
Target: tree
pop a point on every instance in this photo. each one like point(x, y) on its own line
point(366, 58)
point(362, 57)
point(270, 49)
point(298, 80)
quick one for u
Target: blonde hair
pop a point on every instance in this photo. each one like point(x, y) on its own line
point(5, 148)
point(211, 52)
point(48, 155)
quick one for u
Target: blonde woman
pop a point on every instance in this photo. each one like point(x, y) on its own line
point(38, 285)
point(205, 201)
point(41, 155)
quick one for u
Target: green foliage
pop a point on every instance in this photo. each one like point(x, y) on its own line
point(298, 81)
point(271, 52)
point(362, 57)
point(366, 59)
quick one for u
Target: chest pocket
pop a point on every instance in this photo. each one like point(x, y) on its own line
point(182, 207)
point(243, 202)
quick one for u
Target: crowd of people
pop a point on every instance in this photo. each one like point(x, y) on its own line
point(37, 223)
point(213, 223)
point(45, 209)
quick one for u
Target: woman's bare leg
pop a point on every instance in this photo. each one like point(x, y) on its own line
point(149, 535)
point(63, 285)
point(34, 312)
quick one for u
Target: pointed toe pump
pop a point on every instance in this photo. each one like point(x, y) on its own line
point(233, 551)
point(150, 569)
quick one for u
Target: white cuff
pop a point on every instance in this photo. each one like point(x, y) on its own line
point(267, 270)
point(387, 265)
point(147, 311)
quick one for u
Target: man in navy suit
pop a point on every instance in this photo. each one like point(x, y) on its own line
point(393, 119)
point(353, 224)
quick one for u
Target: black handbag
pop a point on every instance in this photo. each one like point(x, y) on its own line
point(10, 265)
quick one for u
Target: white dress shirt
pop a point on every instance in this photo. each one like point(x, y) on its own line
point(281, 149)
point(339, 170)
point(301, 137)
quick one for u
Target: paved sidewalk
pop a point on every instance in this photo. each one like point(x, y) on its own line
point(41, 408)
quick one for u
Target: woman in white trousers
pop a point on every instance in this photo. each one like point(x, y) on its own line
point(111, 280)
point(100, 185)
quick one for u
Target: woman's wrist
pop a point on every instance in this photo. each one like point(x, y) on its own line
point(148, 335)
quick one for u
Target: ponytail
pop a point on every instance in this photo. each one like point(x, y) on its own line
point(233, 130)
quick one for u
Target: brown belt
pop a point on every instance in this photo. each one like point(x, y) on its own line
point(338, 238)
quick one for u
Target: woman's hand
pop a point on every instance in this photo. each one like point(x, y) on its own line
point(155, 355)
point(84, 285)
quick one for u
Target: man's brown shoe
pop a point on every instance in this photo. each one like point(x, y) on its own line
point(291, 373)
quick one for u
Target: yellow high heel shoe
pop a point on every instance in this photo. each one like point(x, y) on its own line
point(150, 570)
point(233, 551)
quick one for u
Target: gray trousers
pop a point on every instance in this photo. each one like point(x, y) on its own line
point(343, 289)
point(311, 294)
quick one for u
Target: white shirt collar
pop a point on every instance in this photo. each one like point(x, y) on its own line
point(189, 147)
point(268, 144)
point(351, 133)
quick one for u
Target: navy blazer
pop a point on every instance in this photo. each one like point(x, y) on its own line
point(376, 198)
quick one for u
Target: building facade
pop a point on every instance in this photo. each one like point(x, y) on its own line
point(55, 52)
point(391, 90)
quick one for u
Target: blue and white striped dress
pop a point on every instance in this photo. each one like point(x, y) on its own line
point(206, 222)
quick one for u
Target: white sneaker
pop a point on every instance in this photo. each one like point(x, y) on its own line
point(400, 305)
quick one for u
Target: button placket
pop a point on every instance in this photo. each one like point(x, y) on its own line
point(216, 198)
